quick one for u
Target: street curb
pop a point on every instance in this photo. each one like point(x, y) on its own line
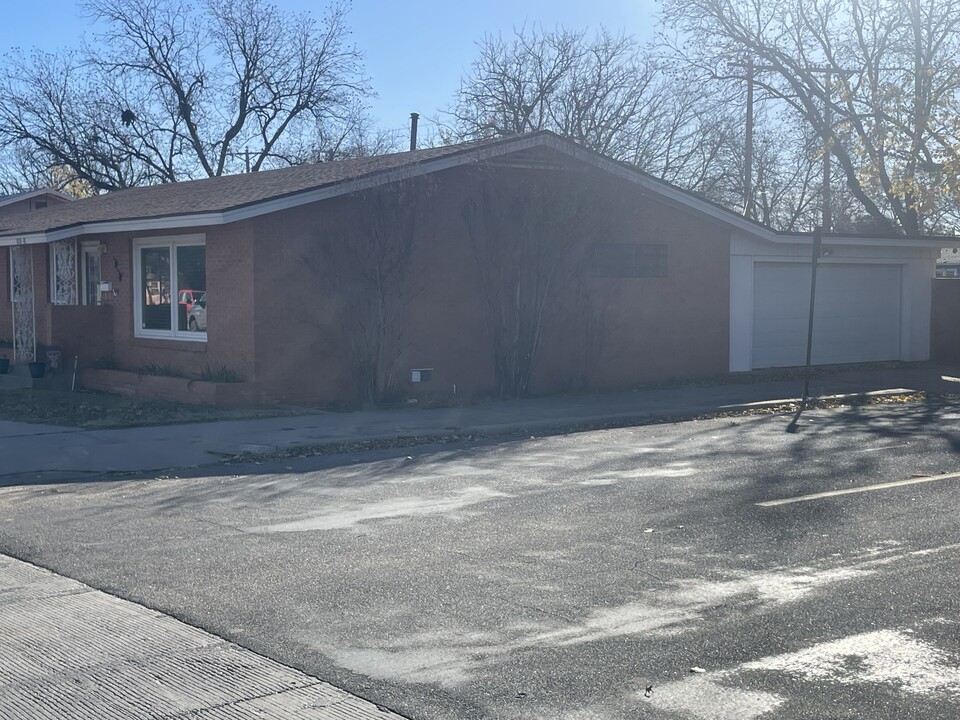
point(585, 423)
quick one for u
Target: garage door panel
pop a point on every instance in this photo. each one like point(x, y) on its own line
point(856, 319)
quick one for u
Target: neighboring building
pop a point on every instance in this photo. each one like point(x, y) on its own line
point(655, 283)
point(32, 200)
point(948, 264)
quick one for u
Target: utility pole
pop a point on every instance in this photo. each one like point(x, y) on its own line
point(814, 261)
point(817, 250)
point(827, 142)
point(748, 147)
point(747, 179)
point(828, 72)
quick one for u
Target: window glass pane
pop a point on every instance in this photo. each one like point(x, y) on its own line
point(191, 285)
point(91, 276)
point(155, 281)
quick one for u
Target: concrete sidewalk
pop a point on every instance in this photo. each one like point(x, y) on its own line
point(69, 651)
point(50, 450)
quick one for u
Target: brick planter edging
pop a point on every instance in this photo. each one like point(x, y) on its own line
point(163, 387)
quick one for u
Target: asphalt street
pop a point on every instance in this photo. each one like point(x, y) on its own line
point(617, 574)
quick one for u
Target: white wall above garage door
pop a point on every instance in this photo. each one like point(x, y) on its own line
point(856, 319)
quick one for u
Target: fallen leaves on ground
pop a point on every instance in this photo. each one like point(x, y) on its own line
point(101, 410)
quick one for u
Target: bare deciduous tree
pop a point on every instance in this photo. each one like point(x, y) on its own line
point(172, 90)
point(604, 92)
point(21, 170)
point(527, 238)
point(367, 265)
point(886, 109)
point(512, 85)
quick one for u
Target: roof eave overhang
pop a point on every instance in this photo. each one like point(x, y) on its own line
point(926, 241)
point(663, 191)
point(682, 199)
point(265, 207)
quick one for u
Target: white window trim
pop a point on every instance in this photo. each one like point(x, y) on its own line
point(172, 242)
point(51, 272)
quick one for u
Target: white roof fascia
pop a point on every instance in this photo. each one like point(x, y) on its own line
point(112, 226)
point(935, 241)
point(169, 222)
point(679, 197)
point(31, 239)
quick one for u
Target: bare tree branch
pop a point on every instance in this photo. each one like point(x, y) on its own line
point(174, 90)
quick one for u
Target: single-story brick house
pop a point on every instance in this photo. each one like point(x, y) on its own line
point(522, 264)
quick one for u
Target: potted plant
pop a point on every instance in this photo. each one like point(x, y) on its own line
point(4, 358)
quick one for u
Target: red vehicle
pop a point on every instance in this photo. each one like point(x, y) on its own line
point(190, 298)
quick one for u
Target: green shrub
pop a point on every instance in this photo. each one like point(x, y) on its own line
point(158, 369)
point(222, 374)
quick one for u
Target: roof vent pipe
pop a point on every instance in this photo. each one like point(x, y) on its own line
point(414, 117)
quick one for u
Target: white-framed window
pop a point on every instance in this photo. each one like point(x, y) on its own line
point(90, 272)
point(164, 268)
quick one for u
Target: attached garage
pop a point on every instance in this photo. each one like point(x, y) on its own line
point(872, 301)
point(856, 316)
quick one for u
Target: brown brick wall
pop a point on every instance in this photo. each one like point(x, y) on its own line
point(945, 321)
point(84, 333)
point(446, 315)
point(300, 348)
point(107, 331)
point(6, 312)
point(643, 329)
point(229, 282)
point(618, 332)
point(281, 319)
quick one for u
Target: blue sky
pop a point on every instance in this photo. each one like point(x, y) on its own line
point(416, 51)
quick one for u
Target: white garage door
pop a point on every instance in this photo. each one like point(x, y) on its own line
point(856, 319)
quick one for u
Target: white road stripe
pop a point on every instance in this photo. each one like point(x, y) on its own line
point(878, 449)
point(865, 488)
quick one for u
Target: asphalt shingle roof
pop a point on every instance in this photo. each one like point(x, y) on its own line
point(220, 193)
